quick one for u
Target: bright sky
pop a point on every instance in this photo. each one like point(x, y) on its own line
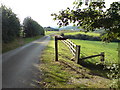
point(40, 10)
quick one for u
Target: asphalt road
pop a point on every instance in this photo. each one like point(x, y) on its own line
point(19, 66)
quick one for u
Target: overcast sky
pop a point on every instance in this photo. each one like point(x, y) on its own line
point(40, 10)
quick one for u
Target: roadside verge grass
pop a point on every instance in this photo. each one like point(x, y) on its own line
point(17, 43)
point(66, 73)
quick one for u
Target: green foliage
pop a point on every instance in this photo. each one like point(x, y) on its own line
point(62, 34)
point(32, 28)
point(10, 25)
point(114, 71)
point(83, 37)
point(93, 17)
point(114, 74)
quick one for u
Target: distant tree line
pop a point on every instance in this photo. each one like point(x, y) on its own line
point(11, 27)
point(86, 37)
point(50, 29)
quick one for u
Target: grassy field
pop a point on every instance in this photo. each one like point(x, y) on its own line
point(17, 43)
point(72, 33)
point(66, 73)
point(88, 33)
point(50, 32)
point(96, 47)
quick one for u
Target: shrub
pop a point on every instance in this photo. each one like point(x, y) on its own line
point(62, 34)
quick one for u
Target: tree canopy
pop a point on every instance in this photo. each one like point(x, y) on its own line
point(12, 29)
point(92, 18)
point(10, 25)
point(32, 28)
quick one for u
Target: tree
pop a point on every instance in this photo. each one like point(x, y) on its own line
point(111, 22)
point(10, 25)
point(93, 17)
point(32, 28)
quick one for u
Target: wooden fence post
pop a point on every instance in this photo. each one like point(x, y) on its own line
point(56, 49)
point(119, 52)
point(77, 55)
point(102, 56)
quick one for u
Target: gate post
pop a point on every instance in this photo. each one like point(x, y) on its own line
point(77, 55)
point(56, 49)
point(102, 56)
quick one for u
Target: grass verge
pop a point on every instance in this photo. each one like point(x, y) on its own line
point(66, 73)
point(17, 43)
